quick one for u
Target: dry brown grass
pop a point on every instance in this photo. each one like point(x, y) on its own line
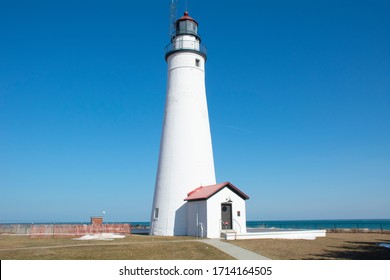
point(338, 246)
point(335, 246)
point(134, 247)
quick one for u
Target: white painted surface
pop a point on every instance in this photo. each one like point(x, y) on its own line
point(186, 156)
point(296, 234)
point(214, 212)
point(208, 212)
point(186, 42)
point(197, 218)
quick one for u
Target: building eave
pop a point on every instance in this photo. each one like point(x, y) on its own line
point(204, 193)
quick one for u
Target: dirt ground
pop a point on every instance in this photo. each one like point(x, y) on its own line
point(335, 246)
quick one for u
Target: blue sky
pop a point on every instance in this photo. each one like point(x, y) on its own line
point(298, 95)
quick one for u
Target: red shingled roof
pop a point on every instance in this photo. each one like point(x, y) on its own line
point(187, 17)
point(206, 192)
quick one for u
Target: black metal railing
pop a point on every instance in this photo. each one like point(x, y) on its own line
point(186, 45)
point(185, 32)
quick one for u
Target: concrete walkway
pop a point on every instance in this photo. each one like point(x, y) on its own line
point(233, 250)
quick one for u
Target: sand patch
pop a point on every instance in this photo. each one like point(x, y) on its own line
point(100, 236)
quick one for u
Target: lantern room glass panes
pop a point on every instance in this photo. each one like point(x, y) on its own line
point(191, 27)
point(186, 27)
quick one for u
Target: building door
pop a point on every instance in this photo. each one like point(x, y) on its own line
point(226, 216)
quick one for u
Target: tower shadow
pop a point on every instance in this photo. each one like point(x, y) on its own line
point(355, 250)
point(181, 223)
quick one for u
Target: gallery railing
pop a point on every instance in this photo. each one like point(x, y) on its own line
point(186, 45)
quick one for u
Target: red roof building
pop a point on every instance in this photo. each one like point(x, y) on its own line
point(215, 210)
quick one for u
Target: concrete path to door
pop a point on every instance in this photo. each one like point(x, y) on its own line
point(233, 250)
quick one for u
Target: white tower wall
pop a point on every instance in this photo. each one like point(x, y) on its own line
point(186, 156)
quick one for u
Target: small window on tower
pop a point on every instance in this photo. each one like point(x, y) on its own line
point(238, 213)
point(197, 62)
point(156, 213)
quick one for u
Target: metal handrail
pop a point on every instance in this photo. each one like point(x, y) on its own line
point(185, 32)
point(238, 224)
point(225, 225)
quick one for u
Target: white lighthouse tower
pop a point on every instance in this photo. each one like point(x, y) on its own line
point(186, 157)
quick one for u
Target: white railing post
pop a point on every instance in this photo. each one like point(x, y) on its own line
point(238, 225)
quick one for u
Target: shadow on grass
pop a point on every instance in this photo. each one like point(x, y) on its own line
point(353, 250)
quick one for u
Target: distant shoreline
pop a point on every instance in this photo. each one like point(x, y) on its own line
point(250, 221)
point(332, 225)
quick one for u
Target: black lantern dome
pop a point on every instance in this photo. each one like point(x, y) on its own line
point(186, 25)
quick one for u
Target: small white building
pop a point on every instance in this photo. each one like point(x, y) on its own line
point(215, 210)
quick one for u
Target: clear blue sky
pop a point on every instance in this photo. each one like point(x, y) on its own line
point(298, 95)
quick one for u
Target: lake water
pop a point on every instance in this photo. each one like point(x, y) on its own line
point(377, 224)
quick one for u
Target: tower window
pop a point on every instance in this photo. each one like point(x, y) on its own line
point(156, 213)
point(197, 62)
